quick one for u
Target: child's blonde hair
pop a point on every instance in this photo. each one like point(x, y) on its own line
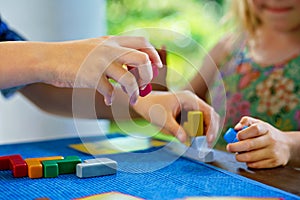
point(244, 15)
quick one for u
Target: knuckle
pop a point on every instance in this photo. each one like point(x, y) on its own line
point(144, 57)
point(244, 119)
point(252, 165)
point(130, 82)
point(256, 128)
point(142, 40)
point(249, 145)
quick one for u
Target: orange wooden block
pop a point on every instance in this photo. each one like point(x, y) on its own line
point(35, 167)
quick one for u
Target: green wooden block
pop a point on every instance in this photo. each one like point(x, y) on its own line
point(68, 165)
point(50, 168)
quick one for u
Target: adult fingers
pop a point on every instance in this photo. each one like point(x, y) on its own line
point(140, 43)
point(126, 79)
point(175, 129)
point(106, 89)
point(140, 62)
point(189, 101)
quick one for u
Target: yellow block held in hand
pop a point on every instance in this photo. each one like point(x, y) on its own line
point(194, 125)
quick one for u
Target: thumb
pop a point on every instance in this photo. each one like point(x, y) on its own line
point(245, 121)
point(175, 129)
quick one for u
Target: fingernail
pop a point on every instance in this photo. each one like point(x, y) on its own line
point(210, 138)
point(159, 64)
point(108, 101)
point(143, 87)
point(181, 136)
point(238, 126)
point(227, 148)
point(123, 88)
point(155, 70)
point(133, 99)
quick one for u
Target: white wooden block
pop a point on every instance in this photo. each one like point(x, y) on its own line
point(198, 151)
point(96, 167)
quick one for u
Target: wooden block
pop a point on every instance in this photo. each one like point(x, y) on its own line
point(4, 162)
point(148, 88)
point(19, 166)
point(35, 167)
point(15, 163)
point(195, 123)
point(52, 168)
point(96, 167)
point(202, 154)
point(230, 135)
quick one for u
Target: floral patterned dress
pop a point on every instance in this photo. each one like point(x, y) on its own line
point(270, 93)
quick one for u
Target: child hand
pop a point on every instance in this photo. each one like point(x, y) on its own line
point(90, 63)
point(260, 145)
point(161, 109)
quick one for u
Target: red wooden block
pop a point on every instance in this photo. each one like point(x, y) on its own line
point(18, 166)
point(4, 162)
point(146, 91)
point(15, 163)
point(148, 88)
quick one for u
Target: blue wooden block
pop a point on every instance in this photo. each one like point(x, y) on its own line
point(230, 135)
point(96, 167)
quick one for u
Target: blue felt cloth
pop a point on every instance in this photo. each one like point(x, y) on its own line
point(179, 179)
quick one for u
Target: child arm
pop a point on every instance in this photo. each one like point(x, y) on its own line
point(212, 61)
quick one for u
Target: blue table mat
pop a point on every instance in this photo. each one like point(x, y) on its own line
point(172, 180)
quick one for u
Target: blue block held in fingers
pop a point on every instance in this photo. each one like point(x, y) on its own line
point(230, 135)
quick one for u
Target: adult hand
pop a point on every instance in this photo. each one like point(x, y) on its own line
point(162, 108)
point(90, 63)
point(260, 145)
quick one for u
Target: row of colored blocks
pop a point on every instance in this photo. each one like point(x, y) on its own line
point(50, 167)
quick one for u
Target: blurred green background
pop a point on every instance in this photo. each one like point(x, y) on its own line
point(188, 28)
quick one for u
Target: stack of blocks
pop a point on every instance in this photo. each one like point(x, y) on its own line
point(50, 167)
point(195, 147)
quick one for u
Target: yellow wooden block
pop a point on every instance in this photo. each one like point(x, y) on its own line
point(186, 127)
point(35, 167)
point(195, 123)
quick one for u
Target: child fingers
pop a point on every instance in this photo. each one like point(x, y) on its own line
point(245, 121)
point(255, 130)
point(267, 163)
point(252, 156)
point(248, 145)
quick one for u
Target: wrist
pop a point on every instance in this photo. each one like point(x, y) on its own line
point(294, 147)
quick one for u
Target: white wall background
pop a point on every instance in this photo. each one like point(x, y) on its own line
point(48, 20)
